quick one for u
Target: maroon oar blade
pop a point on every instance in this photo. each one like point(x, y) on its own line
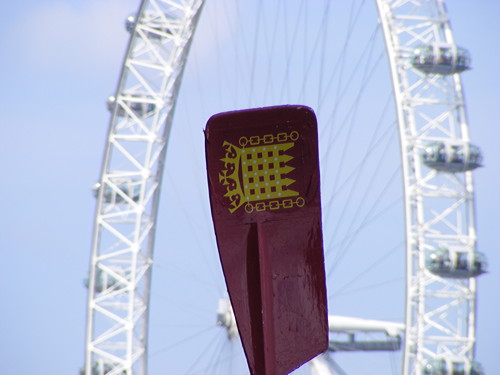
point(263, 175)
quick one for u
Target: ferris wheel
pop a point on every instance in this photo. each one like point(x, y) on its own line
point(401, 263)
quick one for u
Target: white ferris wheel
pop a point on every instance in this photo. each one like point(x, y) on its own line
point(401, 258)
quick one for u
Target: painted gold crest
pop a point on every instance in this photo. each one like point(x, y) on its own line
point(255, 174)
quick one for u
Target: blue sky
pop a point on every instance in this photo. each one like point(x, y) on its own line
point(61, 59)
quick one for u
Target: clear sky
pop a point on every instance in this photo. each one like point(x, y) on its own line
point(60, 60)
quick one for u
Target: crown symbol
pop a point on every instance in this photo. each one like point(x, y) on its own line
point(255, 175)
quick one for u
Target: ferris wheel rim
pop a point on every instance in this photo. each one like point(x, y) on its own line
point(423, 351)
point(138, 114)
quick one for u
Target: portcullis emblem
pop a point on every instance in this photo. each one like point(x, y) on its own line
point(255, 174)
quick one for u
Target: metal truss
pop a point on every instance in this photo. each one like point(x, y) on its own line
point(128, 191)
point(439, 205)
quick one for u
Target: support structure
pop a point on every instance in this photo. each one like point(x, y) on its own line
point(389, 336)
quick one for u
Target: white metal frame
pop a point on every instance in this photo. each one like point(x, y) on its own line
point(128, 191)
point(439, 206)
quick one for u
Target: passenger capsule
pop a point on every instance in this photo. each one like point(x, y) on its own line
point(140, 108)
point(441, 59)
point(130, 23)
point(456, 264)
point(452, 157)
point(447, 366)
point(102, 282)
point(156, 25)
point(102, 368)
point(130, 188)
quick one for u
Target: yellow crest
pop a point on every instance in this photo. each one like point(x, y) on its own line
point(255, 174)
